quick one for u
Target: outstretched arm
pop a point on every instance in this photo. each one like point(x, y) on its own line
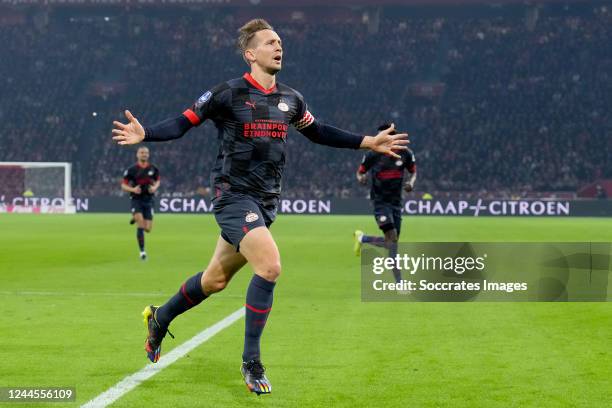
point(169, 129)
point(321, 133)
point(133, 132)
point(384, 142)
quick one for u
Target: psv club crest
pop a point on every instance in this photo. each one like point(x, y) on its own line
point(251, 217)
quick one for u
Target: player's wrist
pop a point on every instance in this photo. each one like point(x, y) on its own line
point(367, 142)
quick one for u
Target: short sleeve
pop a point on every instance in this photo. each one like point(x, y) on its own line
point(156, 174)
point(410, 161)
point(367, 162)
point(128, 177)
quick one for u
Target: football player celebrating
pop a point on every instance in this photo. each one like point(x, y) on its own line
point(252, 115)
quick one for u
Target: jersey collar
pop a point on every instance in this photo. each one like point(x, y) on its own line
point(141, 165)
point(247, 76)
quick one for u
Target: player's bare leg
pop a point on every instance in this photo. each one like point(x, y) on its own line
point(222, 267)
point(260, 250)
point(140, 221)
point(148, 226)
point(224, 264)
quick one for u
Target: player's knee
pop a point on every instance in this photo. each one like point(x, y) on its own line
point(214, 285)
point(218, 286)
point(148, 229)
point(270, 272)
point(391, 237)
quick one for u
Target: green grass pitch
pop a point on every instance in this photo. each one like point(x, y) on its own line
point(72, 289)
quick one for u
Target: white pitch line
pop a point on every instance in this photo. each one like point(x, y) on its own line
point(63, 294)
point(89, 294)
point(132, 381)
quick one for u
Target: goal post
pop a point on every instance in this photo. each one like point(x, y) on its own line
point(36, 187)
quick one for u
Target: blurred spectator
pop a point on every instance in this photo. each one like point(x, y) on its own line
point(495, 106)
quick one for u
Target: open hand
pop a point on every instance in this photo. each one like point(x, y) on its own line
point(386, 143)
point(129, 133)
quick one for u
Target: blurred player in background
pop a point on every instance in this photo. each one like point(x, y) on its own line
point(141, 181)
point(386, 195)
point(252, 115)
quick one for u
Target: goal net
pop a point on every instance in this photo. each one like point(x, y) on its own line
point(36, 187)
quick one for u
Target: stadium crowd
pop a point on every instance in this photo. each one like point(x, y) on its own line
point(511, 105)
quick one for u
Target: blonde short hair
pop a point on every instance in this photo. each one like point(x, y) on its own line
point(248, 31)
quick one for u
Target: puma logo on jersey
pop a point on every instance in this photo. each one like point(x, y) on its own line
point(251, 104)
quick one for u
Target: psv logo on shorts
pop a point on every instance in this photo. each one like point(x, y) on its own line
point(251, 217)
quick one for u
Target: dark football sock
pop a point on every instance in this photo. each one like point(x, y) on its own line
point(392, 253)
point(140, 237)
point(258, 305)
point(370, 239)
point(189, 295)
